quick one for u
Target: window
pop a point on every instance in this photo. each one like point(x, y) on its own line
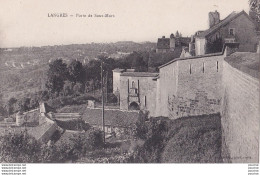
point(144, 100)
point(203, 69)
point(190, 68)
point(232, 31)
point(133, 84)
point(217, 66)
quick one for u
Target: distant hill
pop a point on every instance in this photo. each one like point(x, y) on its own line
point(23, 69)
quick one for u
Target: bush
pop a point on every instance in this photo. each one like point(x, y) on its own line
point(69, 100)
point(76, 124)
point(95, 139)
point(22, 148)
point(83, 99)
point(111, 98)
point(19, 148)
point(154, 132)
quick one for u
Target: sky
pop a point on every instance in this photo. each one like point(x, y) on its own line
point(26, 22)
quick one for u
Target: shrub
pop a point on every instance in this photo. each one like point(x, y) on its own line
point(76, 124)
point(95, 139)
point(111, 98)
point(19, 148)
point(22, 148)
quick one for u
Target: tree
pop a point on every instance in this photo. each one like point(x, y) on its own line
point(254, 12)
point(137, 61)
point(68, 88)
point(177, 34)
point(43, 95)
point(24, 104)
point(215, 46)
point(76, 72)
point(10, 106)
point(95, 139)
point(56, 75)
point(78, 88)
point(140, 130)
point(34, 102)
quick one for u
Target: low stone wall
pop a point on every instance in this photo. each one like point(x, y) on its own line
point(240, 116)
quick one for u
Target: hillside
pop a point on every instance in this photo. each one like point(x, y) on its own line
point(194, 140)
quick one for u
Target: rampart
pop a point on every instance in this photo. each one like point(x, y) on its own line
point(240, 116)
point(190, 87)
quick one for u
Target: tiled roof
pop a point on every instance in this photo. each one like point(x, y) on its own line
point(225, 21)
point(246, 62)
point(68, 135)
point(38, 131)
point(112, 117)
point(139, 74)
point(163, 43)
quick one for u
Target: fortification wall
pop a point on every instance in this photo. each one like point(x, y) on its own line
point(199, 86)
point(167, 86)
point(190, 87)
point(240, 116)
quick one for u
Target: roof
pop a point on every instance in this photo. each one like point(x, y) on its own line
point(139, 74)
point(163, 43)
point(118, 70)
point(38, 131)
point(115, 118)
point(67, 137)
point(246, 62)
point(222, 23)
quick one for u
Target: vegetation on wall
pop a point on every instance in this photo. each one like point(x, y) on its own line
point(254, 12)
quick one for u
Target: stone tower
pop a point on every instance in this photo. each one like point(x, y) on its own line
point(214, 18)
point(172, 42)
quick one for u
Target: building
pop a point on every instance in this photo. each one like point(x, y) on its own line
point(116, 80)
point(236, 27)
point(137, 91)
point(165, 45)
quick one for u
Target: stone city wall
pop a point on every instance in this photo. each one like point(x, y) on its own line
point(240, 116)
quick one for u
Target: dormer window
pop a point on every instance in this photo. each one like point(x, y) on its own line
point(232, 31)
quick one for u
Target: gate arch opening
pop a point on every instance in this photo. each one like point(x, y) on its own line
point(134, 106)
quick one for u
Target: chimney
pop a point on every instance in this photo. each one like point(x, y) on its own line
point(214, 18)
point(163, 36)
point(230, 48)
point(172, 42)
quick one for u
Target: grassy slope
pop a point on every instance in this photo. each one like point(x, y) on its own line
point(194, 140)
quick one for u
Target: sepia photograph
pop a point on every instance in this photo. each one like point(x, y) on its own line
point(129, 82)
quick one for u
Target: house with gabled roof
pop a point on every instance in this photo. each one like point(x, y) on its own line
point(165, 45)
point(236, 27)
